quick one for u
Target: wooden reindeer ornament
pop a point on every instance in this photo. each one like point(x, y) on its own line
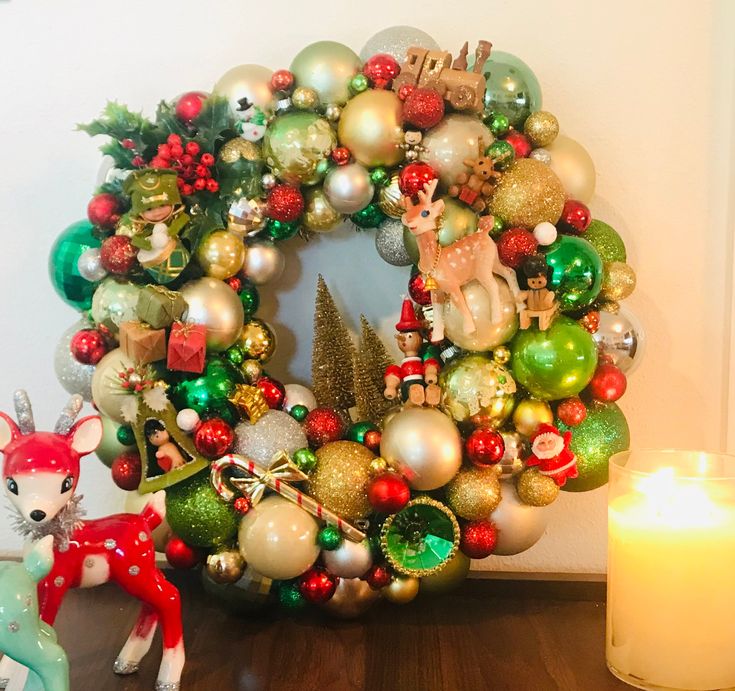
point(40, 473)
point(447, 269)
point(476, 187)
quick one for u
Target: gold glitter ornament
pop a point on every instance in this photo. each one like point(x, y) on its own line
point(304, 98)
point(501, 355)
point(618, 281)
point(536, 489)
point(225, 567)
point(390, 198)
point(529, 414)
point(401, 590)
point(252, 370)
point(378, 466)
point(239, 148)
point(474, 493)
point(340, 479)
point(541, 128)
point(529, 193)
point(257, 340)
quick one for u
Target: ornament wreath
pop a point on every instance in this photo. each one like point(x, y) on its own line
point(382, 478)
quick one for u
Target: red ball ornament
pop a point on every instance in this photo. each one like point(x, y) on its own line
point(478, 539)
point(242, 505)
point(117, 255)
point(126, 471)
point(405, 91)
point(423, 108)
point(213, 438)
point(341, 155)
point(88, 346)
point(485, 447)
point(273, 391)
point(608, 383)
point(388, 493)
point(180, 555)
point(189, 105)
point(520, 143)
point(378, 576)
point(282, 80)
point(372, 440)
point(417, 290)
point(571, 411)
point(317, 585)
point(235, 283)
point(103, 210)
point(381, 70)
point(323, 425)
point(591, 321)
point(575, 216)
point(414, 176)
point(285, 203)
point(514, 245)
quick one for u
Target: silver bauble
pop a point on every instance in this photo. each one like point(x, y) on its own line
point(519, 525)
point(275, 431)
point(348, 188)
point(90, 266)
point(296, 394)
point(621, 338)
point(349, 560)
point(395, 41)
point(389, 243)
point(74, 376)
point(264, 262)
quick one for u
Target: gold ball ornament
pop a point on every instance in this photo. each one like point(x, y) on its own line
point(352, 598)
point(257, 340)
point(252, 370)
point(378, 466)
point(239, 149)
point(214, 304)
point(448, 577)
point(326, 67)
point(536, 489)
point(529, 193)
point(390, 198)
point(501, 355)
point(574, 167)
point(401, 590)
point(225, 567)
point(474, 493)
point(246, 81)
point(107, 394)
point(618, 281)
point(529, 414)
point(221, 254)
point(304, 98)
point(341, 477)
point(541, 128)
point(319, 215)
point(370, 127)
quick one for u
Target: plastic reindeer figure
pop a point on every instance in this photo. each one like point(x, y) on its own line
point(447, 269)
point(40, 473)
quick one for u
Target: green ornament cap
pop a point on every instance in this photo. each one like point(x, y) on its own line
point(150, 188)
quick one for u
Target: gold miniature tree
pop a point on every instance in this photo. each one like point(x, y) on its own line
point(371, 361)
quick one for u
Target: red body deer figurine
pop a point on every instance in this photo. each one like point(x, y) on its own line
point(40, 474)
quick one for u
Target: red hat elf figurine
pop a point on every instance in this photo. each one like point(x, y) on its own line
point(551, 453)
point(417, 377)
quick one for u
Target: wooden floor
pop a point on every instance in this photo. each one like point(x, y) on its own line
point(490, 635)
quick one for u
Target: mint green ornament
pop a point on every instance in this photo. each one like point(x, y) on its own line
point(606, 241)
point(111, 447)
point(69, 284)
point(576, 276)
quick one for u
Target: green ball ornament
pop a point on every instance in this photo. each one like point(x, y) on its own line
point(70, 285)
point(198, 515)
point(110, 447)
point(556, 363)
point(359, 83)
point(250, 299)
point(606, 241)
point(281, 230)
point(502, 153)
point(601, 434)
point(329, 538)
point(498, 227)
point(379, 177)
point(298, 412)
point(369, 217)
point(576, 272)
point(305, 459)
point(497, 122)
point(358, 430)
point(208, 393)
point(125, 435)
point(235, 355)
point(289, 596)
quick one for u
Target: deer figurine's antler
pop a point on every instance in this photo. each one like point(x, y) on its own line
point(24, 412)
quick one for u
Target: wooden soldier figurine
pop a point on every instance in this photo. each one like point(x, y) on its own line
point(539, 301)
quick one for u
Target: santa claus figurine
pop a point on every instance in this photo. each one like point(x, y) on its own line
point(551, 453)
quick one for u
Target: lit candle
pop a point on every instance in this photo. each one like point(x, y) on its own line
point(671, 570)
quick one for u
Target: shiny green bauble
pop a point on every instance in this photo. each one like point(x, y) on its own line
point(305, 459)
point(114, 302)
point(281, 230)
point(71, 286)
point(111, 446)
point(369, 217)
point(208, 393)
point(457, 221)
point(555, 363)
point(497, 122)
point(250, 300)
point(601, 434)
point(198, 515)
point(576, 272)
point(606, 241)
point(358, 430)
point(298, 412)
point(502, 153)
point(329, 537)
point(125, 435)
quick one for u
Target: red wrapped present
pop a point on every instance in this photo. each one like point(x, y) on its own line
point(187, 347)
point(141, 343)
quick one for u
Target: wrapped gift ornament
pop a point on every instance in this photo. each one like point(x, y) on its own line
point(187, 347)
point(141, 343)
point(159, 306)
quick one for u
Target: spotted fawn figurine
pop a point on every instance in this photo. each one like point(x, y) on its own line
point(40, 473)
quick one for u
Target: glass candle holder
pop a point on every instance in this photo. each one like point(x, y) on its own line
point(671, 570)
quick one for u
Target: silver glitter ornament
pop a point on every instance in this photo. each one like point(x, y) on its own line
point(395, 41)
point(389, 243)
point(275, 431)
point(90, 266)
point(74, 376)
point(542, 155)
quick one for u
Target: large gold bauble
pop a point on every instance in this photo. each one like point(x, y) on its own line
point(214, 304)
point(326, 67)
point(456, 221)
point(474, 493)
point(477, 391)
point(574, 167)
point(618, 281)
point(352, 598)
point(401, 590)
point(107, 393)
point(370, 127)
point(237, 149)
point(257, 340)
point(541, 128)
point(341, 477)
point(390, 198)
point(246, 81)
point(319, 215)
point(536, 489)
point(529, 414)
point(529, 193)
point(221, 254)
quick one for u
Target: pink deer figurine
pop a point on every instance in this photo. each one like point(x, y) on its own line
point(447, 269)
point(40, 474)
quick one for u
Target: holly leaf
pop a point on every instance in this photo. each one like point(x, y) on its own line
point(213, 121)
point(167, 122)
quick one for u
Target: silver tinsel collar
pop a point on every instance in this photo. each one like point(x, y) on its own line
point(61, 526)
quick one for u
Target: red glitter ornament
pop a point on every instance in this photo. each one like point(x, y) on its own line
point(180, 555)
point(103, 210)
point(608, 383)
point(478, 539)
point(591, 321)
point(117, 255)
point(88, 346)
point(189, 105)
point(273, 391)
point(235, 283)
point(485, 447)
point(520, 143)
point(405, 91)
point(423, 108)
point(514, 245)
point(575, 216)
point(323, 425)
point(377, 576)
point(341, 155)
point(571, 411)
point(242, 505)
point(414, 176)
point(317, 585)
point(213, 438)
point(417, 290)
point(126, 471)
point(388, 493)
point(285, 203)
point(372, 439)
point(282, 80)
point(381, 70)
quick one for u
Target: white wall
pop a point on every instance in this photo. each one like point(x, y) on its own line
point(646, 87)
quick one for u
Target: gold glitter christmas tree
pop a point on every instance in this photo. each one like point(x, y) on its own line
point(332, 353)
point(371, 361)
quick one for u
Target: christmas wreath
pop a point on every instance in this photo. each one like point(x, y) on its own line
point(382, 477)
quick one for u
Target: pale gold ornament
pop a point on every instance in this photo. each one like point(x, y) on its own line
point(519, 525)
point(225, 567)
point(221, 254)
point(238, 148)
point(252, 370)
point(541, 128)
point(529, 414)
point(319, 215)
point(246, 81)
point(107, 393)
point(326, 67)
point(257, 340)
point(536, 489)
point(214, 304)
point(379, 465)
point(618, 281)
point(401, 590)
point(474, 493)
point(574, 167)
point(264, 263)
point(390, 198)
point(352, 598)
point(304, 98)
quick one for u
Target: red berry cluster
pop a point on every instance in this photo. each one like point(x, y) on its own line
point(193, 168)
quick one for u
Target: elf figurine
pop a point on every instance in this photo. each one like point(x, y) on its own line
point(551, 453)
point(158, 217)
point(168, 455)
point(417, 378)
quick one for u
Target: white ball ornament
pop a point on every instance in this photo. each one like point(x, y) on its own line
point(296, 394)
point(90, 266)
point(545, 233)
point(187, 419)
point(349, 560)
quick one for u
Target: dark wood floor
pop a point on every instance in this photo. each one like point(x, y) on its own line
point(488, 635)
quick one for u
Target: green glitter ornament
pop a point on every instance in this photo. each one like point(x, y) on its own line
point(281, 230)
point(329, 538)
point(576, 276)
point(606, 241)
point(289, 596)
point(358, 430)
point(298, 412)
point(497, 122)
point(502, 153)
point(125, 435)
point(250, 299)
point(369, 217)
point(305, 459)
point(71, 287)
point(379, 177)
